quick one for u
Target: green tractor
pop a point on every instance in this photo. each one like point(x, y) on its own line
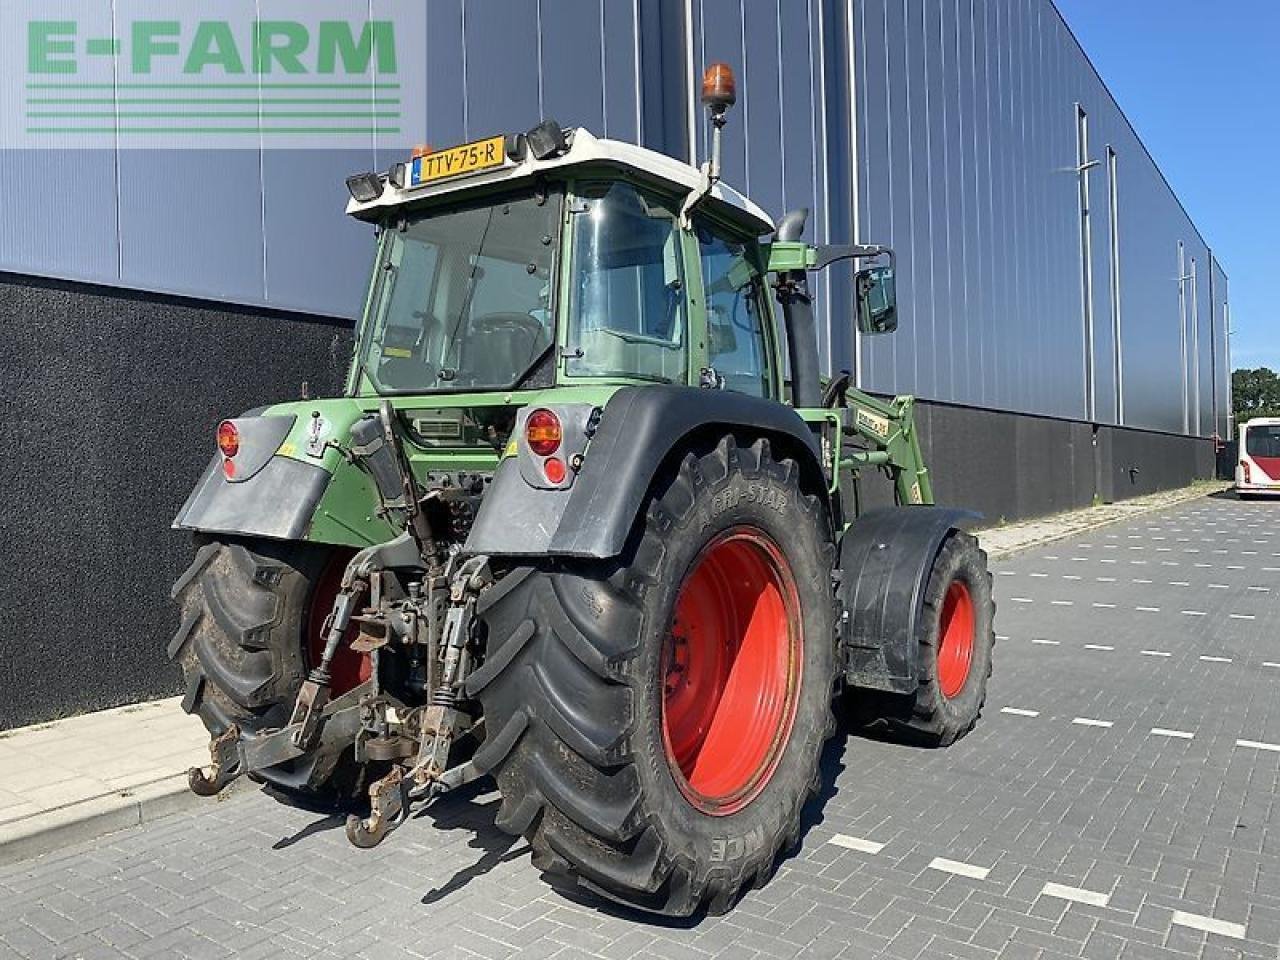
point(570, 527)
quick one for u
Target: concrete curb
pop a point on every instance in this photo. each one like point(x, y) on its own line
point(1069, 524)
point(89, 819)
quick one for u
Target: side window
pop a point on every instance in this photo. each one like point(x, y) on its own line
point(737, 346)
point(627, 298)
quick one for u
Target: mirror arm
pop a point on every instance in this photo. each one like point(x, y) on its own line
point(828, 254)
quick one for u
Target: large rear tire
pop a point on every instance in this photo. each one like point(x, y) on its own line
point(956, 637)
point(655, 721)
point(250, 610)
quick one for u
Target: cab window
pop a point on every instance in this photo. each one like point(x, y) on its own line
point(626, 298)
point(737, 346)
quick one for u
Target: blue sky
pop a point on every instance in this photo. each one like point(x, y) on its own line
point(1201, 84)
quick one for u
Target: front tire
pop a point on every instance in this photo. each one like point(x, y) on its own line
point(956, 638)
point(618, 772)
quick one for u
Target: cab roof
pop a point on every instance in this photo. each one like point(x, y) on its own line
point(584, 149)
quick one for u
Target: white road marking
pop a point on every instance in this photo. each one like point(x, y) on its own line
point(1097, 646)
point(1087, 722)
point(1216, 659)
point(1209, 924)
point(1179, 734)
point(1155, 653)
point(1261, 589)
point(1105, 579)
point(1141, 563)
point(1242, 616)
point(1022, 600)
point(1075, 894)
point(1062, 603)
point(1039, 575)
point(959, 868)
point(1051, 556)
point(1271, 569)
point(1019, 712)
point(1179, 583)
point(856, 843)
point(1147, 609)
point(1007, 573)
point(1047, 643)
point(1219, 586)
point(1135, 580)
point(1106, 561)
point(1080, 559)
point(1070, 576)
point(1105, 606)
point(1268, 663)
point(1195, 613)
point(1001, 636)
point(1259, 745)
point(1170, 563)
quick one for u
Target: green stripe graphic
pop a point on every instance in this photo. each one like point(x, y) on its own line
point(51, 115)
point(79, 85)
point(181, 130)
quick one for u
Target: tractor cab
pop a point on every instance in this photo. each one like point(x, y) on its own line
point(555, 258)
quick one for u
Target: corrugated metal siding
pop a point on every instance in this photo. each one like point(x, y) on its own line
point(946, 128)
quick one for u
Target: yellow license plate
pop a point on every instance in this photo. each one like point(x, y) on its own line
point(457, 161)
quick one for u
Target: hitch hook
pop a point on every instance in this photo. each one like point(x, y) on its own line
point(388, 808)
point(224, 754)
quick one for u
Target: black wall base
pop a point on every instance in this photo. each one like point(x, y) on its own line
point(1013, 466)
point(111, 400)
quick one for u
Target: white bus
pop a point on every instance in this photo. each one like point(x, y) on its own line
point(1258, 469)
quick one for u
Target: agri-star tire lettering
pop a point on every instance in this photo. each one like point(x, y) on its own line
point(956, 640)
point(246, 608)
point(589, 734)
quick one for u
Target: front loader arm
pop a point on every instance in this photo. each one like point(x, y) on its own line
point(888, 427)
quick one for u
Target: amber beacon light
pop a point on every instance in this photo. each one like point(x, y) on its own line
point(719, 89)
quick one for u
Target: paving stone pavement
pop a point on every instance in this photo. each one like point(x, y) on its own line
point(1120, 799)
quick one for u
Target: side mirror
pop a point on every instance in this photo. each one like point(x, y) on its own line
point(876, 300)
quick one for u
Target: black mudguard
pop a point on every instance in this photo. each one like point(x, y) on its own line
point(885, 560)
point(639, 429)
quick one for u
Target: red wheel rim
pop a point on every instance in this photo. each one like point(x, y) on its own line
point(955, 633)
point(731, 669)
point(349, 669)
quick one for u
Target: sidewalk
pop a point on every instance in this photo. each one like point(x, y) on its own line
point(76, 779)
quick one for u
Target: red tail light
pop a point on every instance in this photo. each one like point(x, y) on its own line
point(543, 433)
point(554, 469)
point(1248, 474)
point(228, 438)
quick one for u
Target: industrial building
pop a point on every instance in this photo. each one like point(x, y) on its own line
point(1063, 322)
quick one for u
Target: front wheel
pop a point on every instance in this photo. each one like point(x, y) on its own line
point(655, 721)
point(956, 638)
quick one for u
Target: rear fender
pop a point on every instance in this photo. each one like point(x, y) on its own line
point(885, 560)
point(639, 429)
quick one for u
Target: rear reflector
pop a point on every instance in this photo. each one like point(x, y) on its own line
point(1248, 474)
point(554, 469)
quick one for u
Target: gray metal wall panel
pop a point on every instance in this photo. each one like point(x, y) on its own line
point(1221, 353)
point(572, 49)
point(191, 222)
point(619, 41)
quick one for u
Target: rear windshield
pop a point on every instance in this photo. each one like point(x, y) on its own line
point(1262, 441)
